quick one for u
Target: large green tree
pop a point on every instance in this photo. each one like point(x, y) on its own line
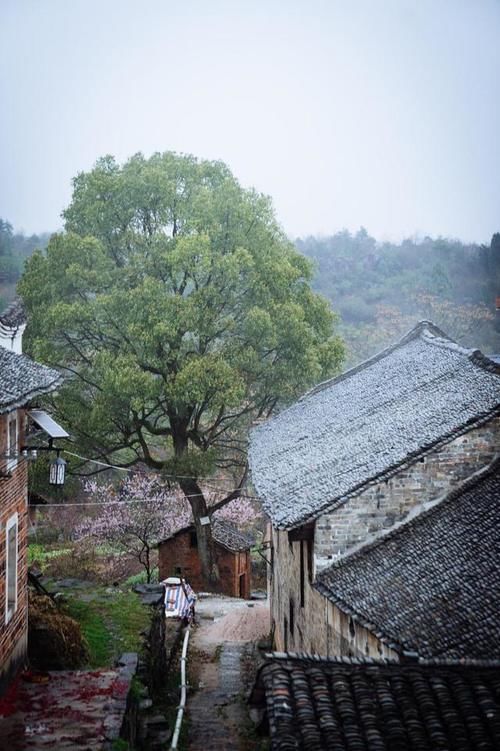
point(181, 313)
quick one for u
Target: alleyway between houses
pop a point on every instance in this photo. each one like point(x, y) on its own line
point(223, 656)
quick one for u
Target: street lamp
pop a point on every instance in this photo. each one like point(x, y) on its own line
point(57, 471)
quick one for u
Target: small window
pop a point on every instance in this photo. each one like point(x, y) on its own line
point(12, 434)
point(193, 540)
point(302, 575)
point(292, 617)
point(310, 560)
point(11, 567)
point(285, 634)
point(352, 628)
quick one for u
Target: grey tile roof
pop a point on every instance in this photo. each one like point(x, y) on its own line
point(14, 315)
point(225, 534)
point(366, 423)
point(433, 585)
point(22, 379)
point(315, 704)
point(230, 537)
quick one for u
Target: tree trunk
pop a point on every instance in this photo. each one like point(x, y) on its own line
point(197, 501)
point(206, 545)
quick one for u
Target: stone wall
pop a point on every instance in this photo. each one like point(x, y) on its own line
point(13, 499)
point(382, 504)
point(319, 627)
point(179, 552)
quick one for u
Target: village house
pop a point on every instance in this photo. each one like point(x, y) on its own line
point(21, 381)
point(344, 475)
point(178, 555)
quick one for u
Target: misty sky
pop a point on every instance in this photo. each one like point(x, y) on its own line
point(382, 113)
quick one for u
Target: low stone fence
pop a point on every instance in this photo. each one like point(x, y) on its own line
point(121, 718)
point(162, 644)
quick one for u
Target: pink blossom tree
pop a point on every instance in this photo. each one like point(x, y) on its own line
point(142, 511)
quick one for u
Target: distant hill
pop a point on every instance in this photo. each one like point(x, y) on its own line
point(380, 290)
point(15, 248)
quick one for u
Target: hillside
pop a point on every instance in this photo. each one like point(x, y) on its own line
point(380, 290)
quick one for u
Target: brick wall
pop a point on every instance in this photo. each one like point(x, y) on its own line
point(234, 568)
point(319, 626)
point(13, 498)
point(382, 504)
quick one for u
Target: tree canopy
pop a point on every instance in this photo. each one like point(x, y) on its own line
point(180, 312)
point(15, 247)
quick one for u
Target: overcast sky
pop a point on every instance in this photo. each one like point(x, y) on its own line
point(382, 113)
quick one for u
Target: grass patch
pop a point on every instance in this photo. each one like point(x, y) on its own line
point(141, 578)
point(94, 629)
point(111, 623)
point(41, 555)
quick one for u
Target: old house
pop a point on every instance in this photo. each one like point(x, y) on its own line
point(178, 554)
point(12, 326)
point(310, 703)
point(21, 380)
point(352, 460)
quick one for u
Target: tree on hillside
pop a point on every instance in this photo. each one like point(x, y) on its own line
point(181, 313)
point(14, 249)
point(139, 513)
point(490, 256)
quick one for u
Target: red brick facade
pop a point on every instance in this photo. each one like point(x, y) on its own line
point(13, 500)
point(180, 552)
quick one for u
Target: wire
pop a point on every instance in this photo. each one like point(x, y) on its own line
point(131, 469)
point(124, 503)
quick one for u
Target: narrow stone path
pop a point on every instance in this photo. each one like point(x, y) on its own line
point(221, 649)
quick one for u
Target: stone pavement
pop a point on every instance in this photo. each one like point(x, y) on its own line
point(222, 647)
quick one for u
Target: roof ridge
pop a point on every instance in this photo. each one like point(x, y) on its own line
point(12, 361)
point(419, 330)
point(383, 662)
point(423, 329)
point(223, 525)
point(14, 315)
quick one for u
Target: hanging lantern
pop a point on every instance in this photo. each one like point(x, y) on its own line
point(57, 471)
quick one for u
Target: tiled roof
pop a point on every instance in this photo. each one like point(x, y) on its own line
point(433, 584)
point(230, 537)
point(22, 379)
point(318, 704)
point(14, 315)
point(224, 533)
point(368, 422)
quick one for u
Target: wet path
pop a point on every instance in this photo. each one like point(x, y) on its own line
point(221, 649)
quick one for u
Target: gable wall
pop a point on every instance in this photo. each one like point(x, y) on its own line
point(380, 505)
point(13, 499)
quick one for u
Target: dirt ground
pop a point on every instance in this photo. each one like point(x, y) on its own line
point(223, 658)
point(229, 619)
